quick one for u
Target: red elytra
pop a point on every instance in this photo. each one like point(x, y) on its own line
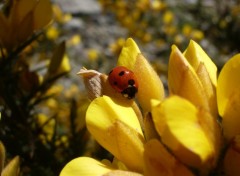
point(123, 81)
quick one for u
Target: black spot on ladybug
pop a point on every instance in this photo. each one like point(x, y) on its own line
point(131, 82)
point(129, 92)
point(121, 73)
point(115, 83)
point(110, 72)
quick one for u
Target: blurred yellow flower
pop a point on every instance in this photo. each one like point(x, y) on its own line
point(59, 16)
point(75, 40)
point(117, 46)
point(48, 127)
point(52, 33)
point(92, 55)
point(158, 5)
point(186, 30)
point(168, 17)
point(197, 34)
point(24, 18)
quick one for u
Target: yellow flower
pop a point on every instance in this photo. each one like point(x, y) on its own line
point(178, 135)
point(24, 18)
point(193, 75)
point(190, 132)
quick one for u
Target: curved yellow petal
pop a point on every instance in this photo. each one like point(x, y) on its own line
point(2, 155)
point(19, 11)
point(206, 71)
point(231, 120)
point(184, 81)
point(196, 55)
point(85, 166)
point(129, 54)
point(209, 88)
point(42, 19)
point(228, 82)
point(12, 168)
point(116, 127)
point(228, 96)
point(158, 161)
point(178, 123)
point(107, 110)
point(150, 85)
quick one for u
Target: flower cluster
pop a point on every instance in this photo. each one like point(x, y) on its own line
point(194, 130)
point(154, 21)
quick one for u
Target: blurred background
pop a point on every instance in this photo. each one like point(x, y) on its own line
point(43, 101)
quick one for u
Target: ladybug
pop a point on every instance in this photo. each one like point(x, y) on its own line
point(123, 81)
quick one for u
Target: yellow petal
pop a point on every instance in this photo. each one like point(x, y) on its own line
point(21, 19)
point(129, 54)
point(13, 167)
point(228, 96)
point(232, 158)
point(25, 27)
point(85, 166)
point(149, 128)
point(231, 120)
point(2, 155)
point(21, 8)
point(206, 71)
point(158, 161)
point(42, 19)
point(65, 65)
point(228, 81)
point(177, 122)
point(209, 88)
point(196, 55)
point(116, 128)
point(183, 80)
point(150, 85)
